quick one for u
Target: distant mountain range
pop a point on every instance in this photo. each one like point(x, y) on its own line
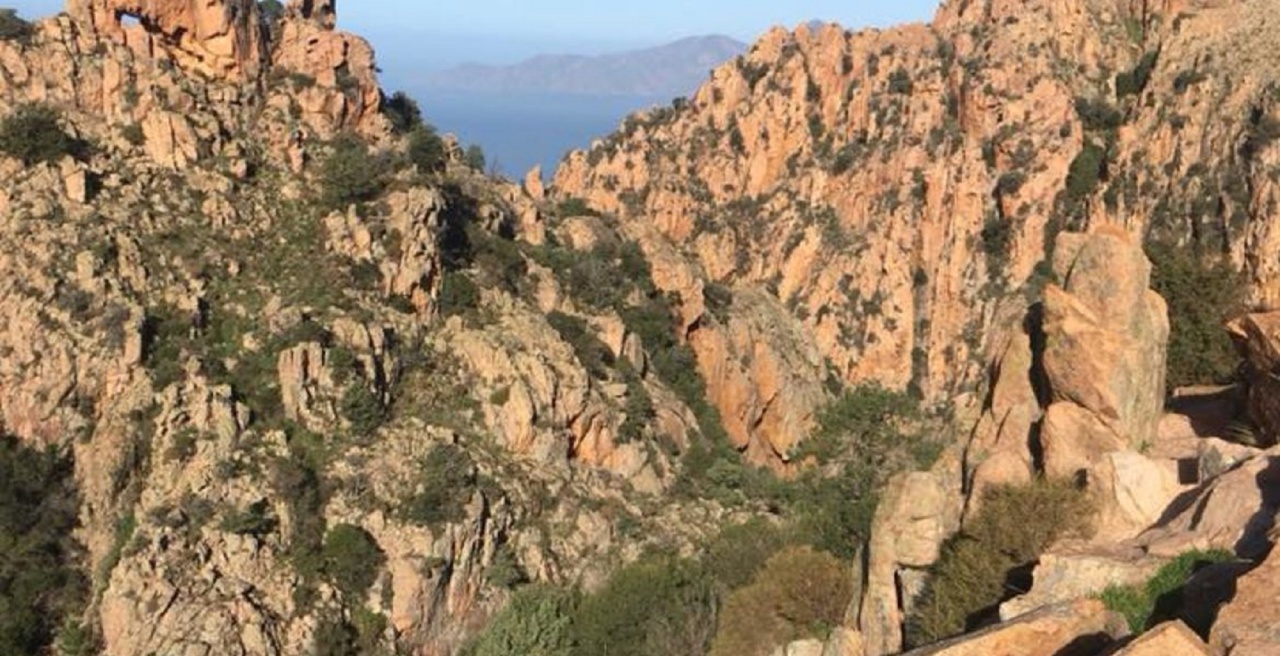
point(673, 69)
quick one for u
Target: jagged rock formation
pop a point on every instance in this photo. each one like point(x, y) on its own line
point(915, 176)
point(242, 366)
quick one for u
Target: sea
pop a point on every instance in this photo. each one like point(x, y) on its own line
point(518, 130)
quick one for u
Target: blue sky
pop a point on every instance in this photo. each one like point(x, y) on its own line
point(413, 34)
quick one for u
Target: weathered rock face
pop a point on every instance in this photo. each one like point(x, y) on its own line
point(1105, 339)
point(1257, 338)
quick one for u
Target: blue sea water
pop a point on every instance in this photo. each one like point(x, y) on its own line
point(517, 131)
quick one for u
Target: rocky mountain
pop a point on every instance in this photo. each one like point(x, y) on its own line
point(866, 348)
point(670, 70)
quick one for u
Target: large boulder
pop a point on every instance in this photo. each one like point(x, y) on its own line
point(1081, 628)
point(917, 513)
point(1106, 334)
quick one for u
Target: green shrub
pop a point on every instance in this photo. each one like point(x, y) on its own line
point(351, 174)
point(352, 560)
point(39, 582)
point(1132, 83)
point(363, 409)
point(537, 622)
point(1202, 294)
point(1098, 114)
point(34, 134)
point(800, 593)
point(900, 82)
point(256, 520)
point(571, 207)
point(657, 606)
point(403, 112)
point(1013, 526)
point(427, 149)
point(595, 355)
point(740, 551)
point(12, 27)
point(1160, 598)
point(459, 296)
point(1085, 172)
point(445, 485)
point(474, 158)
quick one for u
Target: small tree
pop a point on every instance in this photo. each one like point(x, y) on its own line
point(537, 622)
point(475, 157)
point(351, 174)
point(352, 560)
point(403, 112)
point(33, 134)
point(13, 28)
point(426, 149)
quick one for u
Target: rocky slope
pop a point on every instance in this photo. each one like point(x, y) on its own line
point(326, 390)
point(891, 191)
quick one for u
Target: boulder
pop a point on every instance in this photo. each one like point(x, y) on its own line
point(1067, 575)
point(917, 512)
point(1247, 626)
point(1105, 339)
point(1168, 639)
point(1080, 628)
point(1232, 512)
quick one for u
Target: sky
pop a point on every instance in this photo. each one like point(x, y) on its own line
point(433, 34)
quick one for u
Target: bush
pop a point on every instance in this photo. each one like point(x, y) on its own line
point(39, 582)
point(594, 354)
point(1098, 114)
point(537, 622)
point(363, 409)
point(1012, 528)
point(352, 560)
point(427, 149)
point(12, 27)
point(900, 82)
point(1132, 83)
point(654, 607)
point(403, 112)
point(1202, 294)
point(446, 482)
point(350, 175)
point(1085, 172)
point(1161, 597)
point(33, 134)
point(256, 520)
point(800, 593)
point(474, 157)
point(571, 207)
point(458, 295)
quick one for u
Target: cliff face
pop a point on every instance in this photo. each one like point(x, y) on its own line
point(889, 190)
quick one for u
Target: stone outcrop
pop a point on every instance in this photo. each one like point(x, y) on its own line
point(1105, 338)
point(218, 38)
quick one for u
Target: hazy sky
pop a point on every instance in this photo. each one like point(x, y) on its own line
point(426, 34)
